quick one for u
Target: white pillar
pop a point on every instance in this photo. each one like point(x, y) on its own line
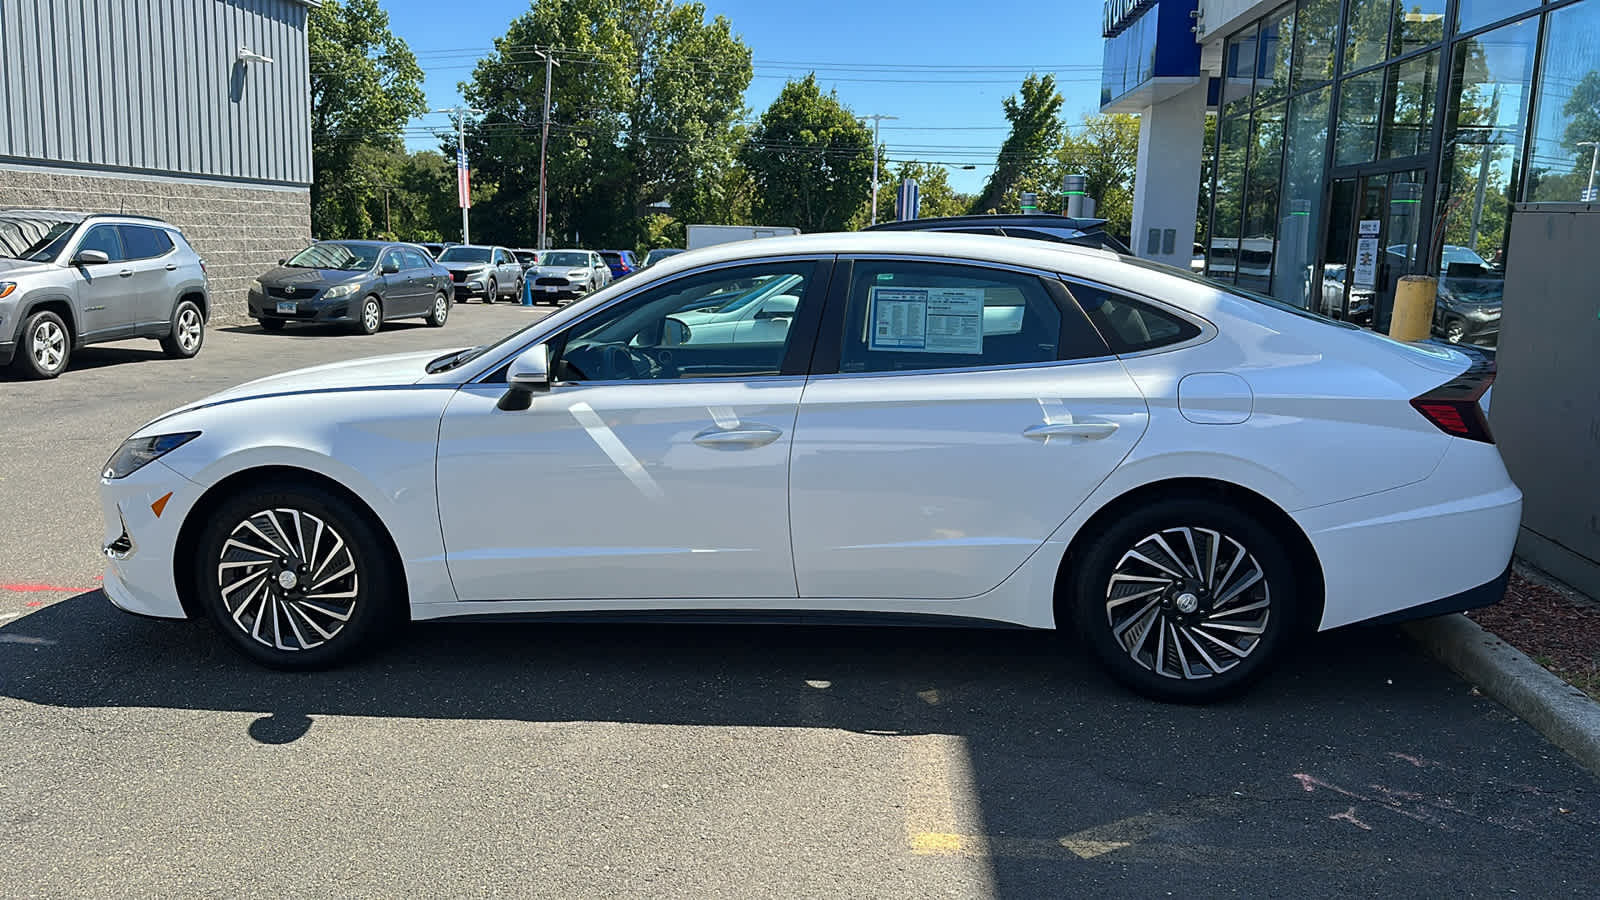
point(1167, 187)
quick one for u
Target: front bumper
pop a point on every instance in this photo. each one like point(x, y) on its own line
point(139, 544)
point(8, 349)
point(312, 310)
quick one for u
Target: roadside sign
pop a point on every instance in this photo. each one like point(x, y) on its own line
point(463, 180)
point(908, 203)
point(1030, 201)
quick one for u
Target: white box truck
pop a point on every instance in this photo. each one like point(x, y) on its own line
point(705, 235)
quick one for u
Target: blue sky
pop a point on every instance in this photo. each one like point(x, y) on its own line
point(946, 114)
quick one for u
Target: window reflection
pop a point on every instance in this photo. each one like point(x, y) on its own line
point(1222, 261)
point(1357, 138)
point(1417, 24)
point(1261, 200)
point(1366, 40)
point(1239, 65)
point(1316, 32)
point(1566, 119)
point(1295, 280)
point(1275, 42)
point(1408, 124)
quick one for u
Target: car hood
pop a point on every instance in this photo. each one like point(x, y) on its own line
point(21, 266)
point(292, 276)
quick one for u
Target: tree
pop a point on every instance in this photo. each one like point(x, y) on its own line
point(1028, 150)
point(365, 85)
point(937, 198)
point(1106, 149)
point(809, 159)
point(642, 111)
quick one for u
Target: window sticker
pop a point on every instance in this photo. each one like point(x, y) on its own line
point(926, 320)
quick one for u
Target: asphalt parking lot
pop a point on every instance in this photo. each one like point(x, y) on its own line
point(143, 757)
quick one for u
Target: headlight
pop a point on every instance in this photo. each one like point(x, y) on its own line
point(342, 290)
point(6, 287)
point(255, 286)
point(135, 453)
point(578, 273)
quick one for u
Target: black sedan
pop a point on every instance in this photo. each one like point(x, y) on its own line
point(358, 283)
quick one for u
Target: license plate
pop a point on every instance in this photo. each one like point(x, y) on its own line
point(288, 306)
point(549, 287)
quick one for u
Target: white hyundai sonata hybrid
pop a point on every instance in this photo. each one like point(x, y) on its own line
point(940, 428)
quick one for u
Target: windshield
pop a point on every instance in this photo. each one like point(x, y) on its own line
point(465, 254)
point(343, 257)
point(1215, 285)
point(35, 240)
point(575, 260)
point(527, 257)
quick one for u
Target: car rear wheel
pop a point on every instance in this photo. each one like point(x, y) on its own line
point(1185, 600)
point(271, 324)
point(294, 578)
point(1455, 332)
point(440, 312)
point(46, 346)
point(371, 316)
point(188, 332)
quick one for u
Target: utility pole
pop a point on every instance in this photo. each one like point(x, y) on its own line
point(1588, 195)
point(460, 115)
point(544, 139)
point(877, 119)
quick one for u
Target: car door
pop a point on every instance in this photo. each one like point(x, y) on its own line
point(420, 284)
point(650, 469)
point(106, 295)
point(510, 270)
point(148, 253)
point(958, 414)
point(602, 272)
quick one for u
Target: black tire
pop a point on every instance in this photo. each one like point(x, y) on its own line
point(440, 312)
point(188, 333)
point(44, 347)
point(366, 321)
point(1204, 627)
point(296, 630)
point(271, 324)
point(1455, 331)
point(492, 292)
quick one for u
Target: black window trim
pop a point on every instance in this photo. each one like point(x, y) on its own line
point(830, 339)
point(77, 244)
point(1207, 329)
point(172, 245)
point(804, 330)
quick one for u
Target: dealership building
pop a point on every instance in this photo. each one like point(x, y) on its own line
point(1355, 141)
point(194, 111)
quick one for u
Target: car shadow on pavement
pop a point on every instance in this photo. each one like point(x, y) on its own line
point(1357, 762)
point(94, 357)
point(326, 329)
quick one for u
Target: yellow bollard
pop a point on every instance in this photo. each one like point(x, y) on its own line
point(1413, 308)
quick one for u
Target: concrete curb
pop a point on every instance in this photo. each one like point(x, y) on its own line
point(1561, 712)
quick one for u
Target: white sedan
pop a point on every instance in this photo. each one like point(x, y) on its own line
point(1188, 475)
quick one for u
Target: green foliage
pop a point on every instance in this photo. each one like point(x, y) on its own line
point(1025, 157)
point(642, 110)
point(933, 185)
point(809, 160)
point(365, 85)
point(1106, 149)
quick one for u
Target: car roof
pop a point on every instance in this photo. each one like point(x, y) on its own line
point(73, 215)
point(569, 250)
point(1037, 220)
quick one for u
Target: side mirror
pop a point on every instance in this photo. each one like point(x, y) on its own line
point(528, 374)
point(283, 260)
point(774, 313)
point(390, 267)
point(90, 258)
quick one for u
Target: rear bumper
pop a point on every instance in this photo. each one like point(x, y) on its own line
point(1487, 594)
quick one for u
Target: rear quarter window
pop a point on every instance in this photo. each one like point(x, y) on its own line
point(1130, 325)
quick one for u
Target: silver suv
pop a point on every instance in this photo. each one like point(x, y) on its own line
point(68, 279)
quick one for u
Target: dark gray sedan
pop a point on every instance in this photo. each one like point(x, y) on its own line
point(359, 283)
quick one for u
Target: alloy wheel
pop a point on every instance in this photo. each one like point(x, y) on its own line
point(441, 307)
point(1188, 602)
point(189, 326)
point(1455, 332)
point(369, 315)
point(288, 579)
point(49, 345)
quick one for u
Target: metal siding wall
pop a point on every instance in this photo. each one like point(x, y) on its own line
point(150, 85)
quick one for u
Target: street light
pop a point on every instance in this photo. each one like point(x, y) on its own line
point(1588, 195)
point(877, 118)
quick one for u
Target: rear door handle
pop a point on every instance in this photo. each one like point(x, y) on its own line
point(1091, 430)
point(737, 438)
point(172, 267)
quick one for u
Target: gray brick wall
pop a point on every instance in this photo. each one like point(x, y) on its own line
point(240, 230)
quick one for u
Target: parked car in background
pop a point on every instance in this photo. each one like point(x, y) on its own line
point(1190, 477)
point(357, 283)
point(621, 262)
point(435, 249)
point(1083, 232)
point(526, 258)
point(69, 279)
point(697, 236)
point(483, 271)
point(658, 254)
point(568, 273)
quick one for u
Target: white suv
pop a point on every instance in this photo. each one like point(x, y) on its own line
point(68, 279)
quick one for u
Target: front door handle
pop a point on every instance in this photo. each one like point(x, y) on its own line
point(172, 267)
point(1091, 430)
point(737, 438)
point(126, 273)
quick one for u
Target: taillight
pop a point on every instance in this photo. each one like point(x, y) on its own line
point(1454, 408)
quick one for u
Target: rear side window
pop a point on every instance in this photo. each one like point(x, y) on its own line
point(413, 260)
point(144, 242)
point(908, 316)
point(1130, 325)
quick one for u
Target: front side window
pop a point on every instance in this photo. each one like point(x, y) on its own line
point(697, 326)
point(414, 260)
point(907, 316)
point(144, 242)
point(103, 238)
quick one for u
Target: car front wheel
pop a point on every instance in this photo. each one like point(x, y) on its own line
point(46, 346)
point(1186, 600)
point(294, 577)
point(492, 292)
point(371, 316)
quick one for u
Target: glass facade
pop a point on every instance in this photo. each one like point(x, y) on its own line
point(1130, 57)
point(1358, 141)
